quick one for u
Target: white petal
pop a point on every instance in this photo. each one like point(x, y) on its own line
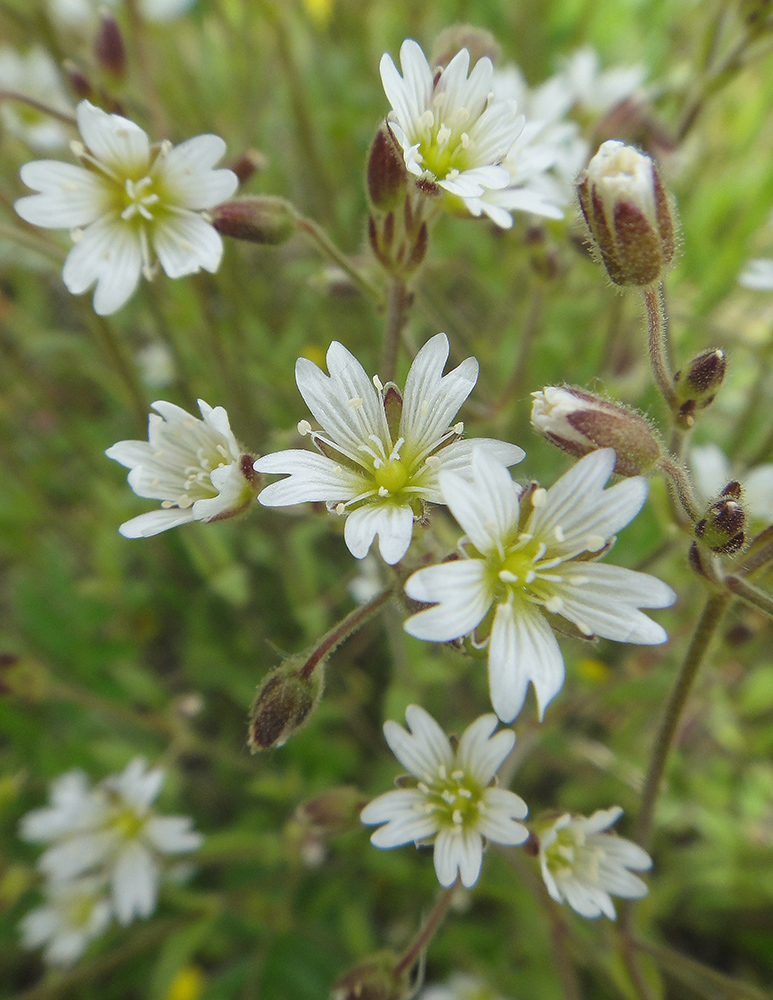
point(109, 253)
point(758, 274)
point(605, 599)
point(311, 478)
point(486, 508)
point(479, 753)
point(424, 749)
point(185, 244)
point(392, 523)
point(457, 457)
point(463, 597)
point(522, 649)
point(154, 522)
point(172, 834)
point(71, 196)
point(394, 804)
point(187, 175)
point(116, 141)
point(134, 884)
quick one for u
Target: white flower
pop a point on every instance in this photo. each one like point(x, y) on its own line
point(73, 914)
point(81, 14)
point(194, 467)
point(582, 865)
point(110, 832)
point(128, 204)
point(596, 91)
point(545, 158)
point(519, 564)
point(455, 802)
point(381, 452)
point(758, 274)
point(452, 129)
point(712, 473)
point(33, 75)
point(459, 987)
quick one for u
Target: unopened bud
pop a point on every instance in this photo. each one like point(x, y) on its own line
point(477, 41)
point(373, 979)
point(335, 811)
point(79, 82)
point(625, 206)
point(579, 422)
point(697, 385)
point(263, 219)
point(385, 175)
point(252, 161)
point(722, 529)
point(109, 48)
point(285, 700)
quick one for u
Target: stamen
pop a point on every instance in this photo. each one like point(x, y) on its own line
point(304, 427)
point(378, 383)
point(558, 531)
point(355, 403)
point(340, 508)
point(456, 816)
point(554, 605)
point(538, 498)
point(595, 542)
point(507, 577)
point(459, 428)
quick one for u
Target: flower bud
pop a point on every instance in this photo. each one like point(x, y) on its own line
point(697, 385)
point(79, 82)
point(372, 979)
point(579, 422)
point(625, 206)
point(385, 175)
point(265, 219)
point(109, 48)
point(722, 529)
point(477, 41)
point(335, 811)
point(284, 702)
point(251, 161)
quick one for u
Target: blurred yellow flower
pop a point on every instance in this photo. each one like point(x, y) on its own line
point(186, 985)
point(320, 11)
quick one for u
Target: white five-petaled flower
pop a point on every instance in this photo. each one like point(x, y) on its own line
point(74, 913)
point(381, 451)
point(110, 832)
point(523, 560)
point(33, 75)
point(582, 865)
point(127, 204)
point(452, 129)
point(455, 802)
point(194, 467)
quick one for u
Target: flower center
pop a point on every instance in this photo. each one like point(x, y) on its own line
point(444, 145)
point(139, 198)
point(128, 824)
point(392, 476)
point(570, 854)
point(454, 797)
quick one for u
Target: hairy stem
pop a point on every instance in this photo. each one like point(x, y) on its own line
point(44, 109)
point(427, 932)
point(679, 480)
point(759, 599)
point(322, 243)
point(398, 301)
point(657, 321)
point(353, 621)
point(705, 631)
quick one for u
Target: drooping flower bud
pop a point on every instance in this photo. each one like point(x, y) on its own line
point(697, 385)
point(265, 219)
point(250, 162)
point(372, 979)
point(109, 47)
point(579, 422)
point(386, 176)
point(284, 702)
point(722, 529)
point(626, 208)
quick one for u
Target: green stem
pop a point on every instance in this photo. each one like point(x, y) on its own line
point(397, 303)
point(751, 594)
point(45, 109)
point(31, 241)
point(705, 631)
point(137, 33)
point(679, 480)
point(657, 321)
point(116, 351)
point(353, 621)
point(322, 242)
point(697, 976)
point(759, 553)
point(426, 934)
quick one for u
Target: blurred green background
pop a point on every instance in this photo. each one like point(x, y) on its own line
point(156, 646)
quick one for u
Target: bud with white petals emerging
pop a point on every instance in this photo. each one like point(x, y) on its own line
point(579, 423)
point(626, 208)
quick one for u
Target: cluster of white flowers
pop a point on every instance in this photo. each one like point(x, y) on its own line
point(129, 204)
point(454, 804)
point(107, 853)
